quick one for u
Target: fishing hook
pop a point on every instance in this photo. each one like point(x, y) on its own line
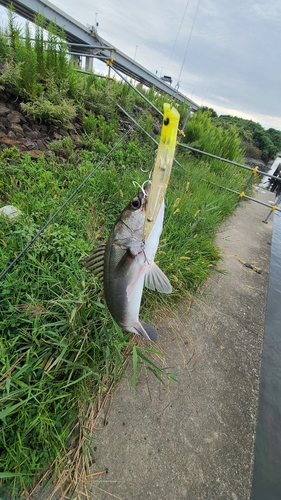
point(141, 187)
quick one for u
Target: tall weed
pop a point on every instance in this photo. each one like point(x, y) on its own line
point(97, 126)
point(201, 133)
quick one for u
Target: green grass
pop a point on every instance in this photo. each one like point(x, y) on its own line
point(60, 351)
point(59, 345)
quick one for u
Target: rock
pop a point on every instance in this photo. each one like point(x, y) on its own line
point(52, 128)
point(10, 211)
point(11, 135)
point(15, 117)
point(35, 153)
point(33, 134)
point(57, 136)
point(8, 105)
point(63, 132)
point(156, 127)
point(137, 110)
point(41, 145)
point(253, 162)
point(4, 110)
point(3, 128)
point(4, 121)
point(9, 143)
point(43, 128)
point(28, 144)
point(27, 129)
point(17, 129)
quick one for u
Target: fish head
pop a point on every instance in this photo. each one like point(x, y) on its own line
point(134, 214)
point(128, 230)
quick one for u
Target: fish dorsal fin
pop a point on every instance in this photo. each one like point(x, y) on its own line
point(95, 261)
point(155, 279)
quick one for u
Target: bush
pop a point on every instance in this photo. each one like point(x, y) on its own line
point(10, 76)
point(202, 133)
point(53, 105)
point(251, 150)
point(99, 128)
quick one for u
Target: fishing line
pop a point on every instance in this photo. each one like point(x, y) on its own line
point(148, 135)
point(188, 42)
point(62, 206)
point(137, 91)
point(178, 32)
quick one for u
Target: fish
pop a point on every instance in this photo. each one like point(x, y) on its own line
point(126, 263)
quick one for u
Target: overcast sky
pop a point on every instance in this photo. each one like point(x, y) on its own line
point(225, 54)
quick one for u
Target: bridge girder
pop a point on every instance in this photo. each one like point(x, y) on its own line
point(76, 33)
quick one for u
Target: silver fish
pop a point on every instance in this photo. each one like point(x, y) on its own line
point(128, 265)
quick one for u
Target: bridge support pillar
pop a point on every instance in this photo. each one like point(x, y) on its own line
point(89, 65)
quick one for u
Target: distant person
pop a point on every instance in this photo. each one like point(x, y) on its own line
point(275, 184)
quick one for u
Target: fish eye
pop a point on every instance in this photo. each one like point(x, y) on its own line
point(136, 203)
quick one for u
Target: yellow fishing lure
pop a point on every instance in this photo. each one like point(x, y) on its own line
point(162, 167)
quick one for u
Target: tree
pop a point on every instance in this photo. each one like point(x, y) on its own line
point(275, 136)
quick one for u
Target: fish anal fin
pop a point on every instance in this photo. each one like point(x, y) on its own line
point(155, 279)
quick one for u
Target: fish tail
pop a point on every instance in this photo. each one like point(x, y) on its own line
point(146, 331)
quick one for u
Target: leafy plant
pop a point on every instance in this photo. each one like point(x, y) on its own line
point(52, 106)
point(10, 76)
point(203, 134)
point(97, 126)
point(65, 148)
point(60, 351)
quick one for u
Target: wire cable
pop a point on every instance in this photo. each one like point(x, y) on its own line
point(145, 132)
point(227, 161)
point(244, 195)
point(138, 92)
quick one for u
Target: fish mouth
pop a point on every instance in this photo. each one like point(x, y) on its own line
point(143, 193)
point(146, 190)
point(146, 187)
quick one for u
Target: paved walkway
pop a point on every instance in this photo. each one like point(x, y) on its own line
point(194, 440)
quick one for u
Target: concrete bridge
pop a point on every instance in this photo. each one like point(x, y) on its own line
point(82, 38)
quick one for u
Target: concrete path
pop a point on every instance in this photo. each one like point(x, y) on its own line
point(194, 440)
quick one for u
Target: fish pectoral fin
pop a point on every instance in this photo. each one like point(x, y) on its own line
point(124, 265)
point(95, 261)
point(155, 279)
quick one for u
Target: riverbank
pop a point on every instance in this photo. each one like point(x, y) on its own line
point(195, 440)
